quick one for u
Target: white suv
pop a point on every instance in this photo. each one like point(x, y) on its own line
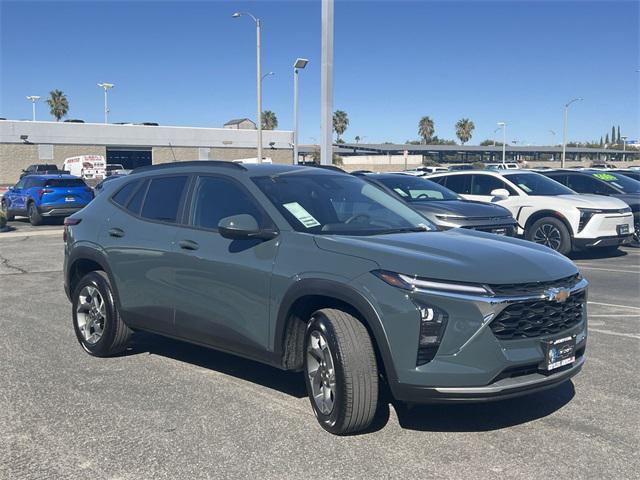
point(547, 212)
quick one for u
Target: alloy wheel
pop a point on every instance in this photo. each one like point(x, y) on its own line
point(91, 314)
point(321, 372)
point(548, 235)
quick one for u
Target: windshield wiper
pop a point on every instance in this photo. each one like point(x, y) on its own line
point(402, 230)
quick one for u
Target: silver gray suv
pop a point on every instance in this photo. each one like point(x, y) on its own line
point(321, 272)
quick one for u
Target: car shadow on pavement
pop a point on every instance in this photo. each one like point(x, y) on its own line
point(487, 416)
point(290, 383)
point(595, 253)
point(461, 417)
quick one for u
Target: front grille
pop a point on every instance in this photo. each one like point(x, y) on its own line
point(533, 288)
point(538, 317)
point(509, 228)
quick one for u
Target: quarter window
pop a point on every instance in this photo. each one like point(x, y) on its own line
point(163, 198)
point(216, 198)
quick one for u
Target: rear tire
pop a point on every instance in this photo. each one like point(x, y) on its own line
point(341, 372)
point(35, 218)
point(96, 320)
point(550, 232)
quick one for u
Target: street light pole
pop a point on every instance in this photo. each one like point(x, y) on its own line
point(326, 85)
point(34, 99)
point(298, 65)
point(624, 147)
point(564, 129)
point(106, 87)
point(258, 80)
point(504, 141)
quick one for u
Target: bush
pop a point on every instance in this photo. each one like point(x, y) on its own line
point(478, 165)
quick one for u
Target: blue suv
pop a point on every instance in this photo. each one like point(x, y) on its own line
point(40, 196)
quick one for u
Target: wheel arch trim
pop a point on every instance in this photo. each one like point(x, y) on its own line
point(343, 293)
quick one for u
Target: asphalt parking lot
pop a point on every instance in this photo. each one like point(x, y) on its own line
point(169, 410)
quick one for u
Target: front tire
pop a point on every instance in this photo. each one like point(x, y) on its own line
point(550, 232)
point(96, 320)
point(35, 218)
point(5, 209)
point(341, 372)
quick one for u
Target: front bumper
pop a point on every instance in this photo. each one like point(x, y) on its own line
point(500, 390)
point(582, 243)
point(472, 362)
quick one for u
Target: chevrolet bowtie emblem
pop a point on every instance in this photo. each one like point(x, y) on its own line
point(557, 294)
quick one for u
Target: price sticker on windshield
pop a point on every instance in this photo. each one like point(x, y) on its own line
point(304, 217)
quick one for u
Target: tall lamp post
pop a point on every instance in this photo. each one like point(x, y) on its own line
point(326, 85)
point(258, 80)
point(503, 125)
point(564, 129)
point(106, 87)
point(298, 65)
point(34, 99)
point(624, 146)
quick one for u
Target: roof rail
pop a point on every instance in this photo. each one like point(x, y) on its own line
point(327, 167)
point(191, 163)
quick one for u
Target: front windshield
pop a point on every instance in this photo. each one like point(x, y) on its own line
point(537, 184)
point(416, 189)
point(619, 181)
point(338, 205)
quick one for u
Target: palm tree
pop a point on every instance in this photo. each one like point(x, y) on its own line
point(464, 129)
point(58, 104)
point(340, 123)
point(269, 120)
point(425, 129)
point(357, 139)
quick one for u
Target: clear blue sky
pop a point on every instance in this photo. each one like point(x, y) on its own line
point(190, 63)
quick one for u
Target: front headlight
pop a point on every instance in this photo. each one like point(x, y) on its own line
point(585, 216)
point(408, 282)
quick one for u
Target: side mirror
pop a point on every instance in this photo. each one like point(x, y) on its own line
point(500, 193)
point(243, 227)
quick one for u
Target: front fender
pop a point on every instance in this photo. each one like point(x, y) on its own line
point(344, 293)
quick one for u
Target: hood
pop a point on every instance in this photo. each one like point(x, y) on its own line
point(592, 201)
point(631, 199)
point(466, 208)
point(456, 255)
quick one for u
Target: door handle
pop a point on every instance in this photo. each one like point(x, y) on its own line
point(116, 232)
point(188, 245)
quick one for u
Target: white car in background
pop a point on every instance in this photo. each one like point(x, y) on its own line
point(547, 212)
point(502, 166)
point(421, 171)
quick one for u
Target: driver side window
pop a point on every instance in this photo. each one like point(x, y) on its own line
point(485, 184)
point(216, 198)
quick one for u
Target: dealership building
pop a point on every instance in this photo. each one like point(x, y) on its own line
point(23, 143)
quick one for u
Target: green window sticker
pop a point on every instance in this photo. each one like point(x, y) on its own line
point(607, 177)
point(304, 217)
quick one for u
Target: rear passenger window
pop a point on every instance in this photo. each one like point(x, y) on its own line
point(217, 198)
point(163, 198)
point(125, 192)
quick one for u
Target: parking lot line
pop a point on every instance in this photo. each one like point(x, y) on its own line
point(614, 316)
point(613, 305)
point(582, 267)
point(617, 334)
point(39, 233)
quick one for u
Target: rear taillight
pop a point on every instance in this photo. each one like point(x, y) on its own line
point(69, 221)
point(42, 191)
